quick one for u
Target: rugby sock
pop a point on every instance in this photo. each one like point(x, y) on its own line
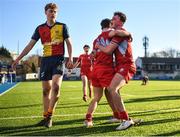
point(50, 112)
point(123, 115)
point(89, 117)
point(116, 114)
point(45, 114)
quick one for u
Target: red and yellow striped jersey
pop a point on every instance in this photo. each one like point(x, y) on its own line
point(52, 38)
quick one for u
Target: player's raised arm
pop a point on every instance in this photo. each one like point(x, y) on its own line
point(26, 50)
point(121, 33)
point(108, 49)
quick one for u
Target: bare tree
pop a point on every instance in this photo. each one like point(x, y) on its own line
point(169, 53)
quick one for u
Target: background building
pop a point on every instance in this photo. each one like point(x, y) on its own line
point(158, 68)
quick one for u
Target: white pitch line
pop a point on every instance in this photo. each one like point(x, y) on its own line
point(10, 89)
point(71, 115)
point(65, 115)
point(72, 86)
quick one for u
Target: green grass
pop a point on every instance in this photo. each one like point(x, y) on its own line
point(158, 104)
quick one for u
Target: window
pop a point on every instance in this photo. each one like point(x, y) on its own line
point(178, 66)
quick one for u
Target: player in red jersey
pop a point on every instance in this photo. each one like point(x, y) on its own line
point(85, 61)
point(53, 35)
point(125, 67)
point(102, 73)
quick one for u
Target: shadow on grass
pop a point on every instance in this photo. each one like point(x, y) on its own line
point(73, 129)
point(174, 133)
point(160, 121)
point(22, 106)
point(16, 129)
point(159, 98)
point(79, 121)
point(141, 100)
point(157, 111)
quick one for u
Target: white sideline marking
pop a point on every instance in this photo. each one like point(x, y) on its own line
point(9, 89)
point(72, 86)
point(70, 115)
point(65, 115)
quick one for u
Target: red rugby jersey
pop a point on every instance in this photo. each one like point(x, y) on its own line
point(123, 52)
point(85, 60)
point(101, 58)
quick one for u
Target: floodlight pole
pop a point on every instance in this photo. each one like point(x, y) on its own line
point(145, 44)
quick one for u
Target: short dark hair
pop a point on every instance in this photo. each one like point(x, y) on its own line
point(50, 6)
point(86, 46)
point(105, 23)
point(121, 15)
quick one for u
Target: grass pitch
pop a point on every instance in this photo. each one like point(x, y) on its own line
point(157, 103)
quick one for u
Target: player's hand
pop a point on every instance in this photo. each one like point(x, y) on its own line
point(69, 64)
point(97, 46)
point(91, 68)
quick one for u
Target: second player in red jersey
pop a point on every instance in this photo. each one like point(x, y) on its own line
point(85, 62)
point(102, 72)
point(124, 59)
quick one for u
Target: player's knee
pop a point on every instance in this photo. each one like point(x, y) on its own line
point(96, 99)
point(111, 89)
point(55, 88)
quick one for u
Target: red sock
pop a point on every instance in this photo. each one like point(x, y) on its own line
point(116, 114)
point(88, 117)
point(123, 115)
point(45, 114)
